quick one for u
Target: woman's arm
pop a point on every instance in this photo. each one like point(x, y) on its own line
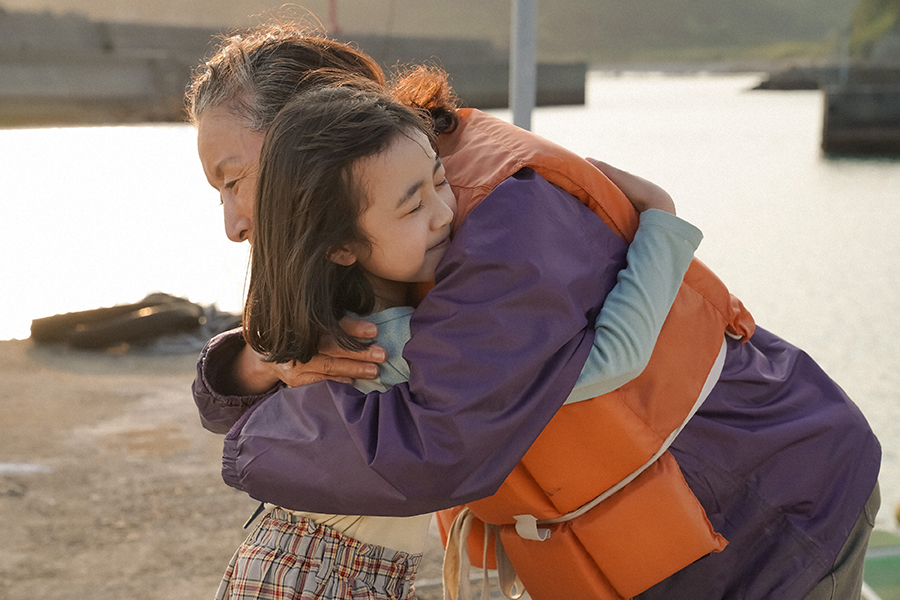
point(231, 377)
point(508, 292)
point(252, 375)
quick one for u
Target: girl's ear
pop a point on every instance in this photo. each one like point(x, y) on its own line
point(342, 256)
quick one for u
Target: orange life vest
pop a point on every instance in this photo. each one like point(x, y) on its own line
point(654, 526)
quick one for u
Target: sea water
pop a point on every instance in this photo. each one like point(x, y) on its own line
point(98, 216)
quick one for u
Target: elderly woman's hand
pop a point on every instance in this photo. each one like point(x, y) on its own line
point(335, 363)
point(255, 376)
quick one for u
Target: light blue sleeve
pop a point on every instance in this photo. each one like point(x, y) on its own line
point(393, 333)
point(626, 328)
point(635, 309)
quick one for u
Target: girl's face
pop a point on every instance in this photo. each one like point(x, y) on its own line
point(410, 208)
point(229, 153)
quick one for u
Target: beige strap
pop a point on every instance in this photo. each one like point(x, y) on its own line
point(527, 527)
point(456, 557)
point(456, 562)
point(510, 584)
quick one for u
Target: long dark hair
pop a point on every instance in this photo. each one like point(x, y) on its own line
point(308, 205)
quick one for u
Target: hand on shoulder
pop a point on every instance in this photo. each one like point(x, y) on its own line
point(643, 194)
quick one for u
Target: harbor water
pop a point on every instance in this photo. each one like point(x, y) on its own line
point(811, 244)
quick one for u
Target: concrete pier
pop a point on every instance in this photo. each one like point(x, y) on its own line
point(862, 119)
point(70, 70)
point(821, 77)
point(861, 104)
point(479, 71)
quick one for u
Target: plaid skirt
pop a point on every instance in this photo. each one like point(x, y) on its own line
point(289, 557)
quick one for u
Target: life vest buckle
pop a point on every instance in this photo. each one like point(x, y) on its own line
point(527, 527)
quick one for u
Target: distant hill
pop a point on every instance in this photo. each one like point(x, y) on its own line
point(591, 30)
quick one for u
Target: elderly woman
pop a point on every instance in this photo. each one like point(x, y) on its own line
point(782, 463)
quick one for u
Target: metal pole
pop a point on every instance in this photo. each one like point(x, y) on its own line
point(523, 61)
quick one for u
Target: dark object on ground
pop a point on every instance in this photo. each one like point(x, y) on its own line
point(156, 316)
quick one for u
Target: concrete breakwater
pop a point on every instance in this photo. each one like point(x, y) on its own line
point(68, 70)
point(861, 105)
point(823, 76)
point(479, 71)
point(862, 119)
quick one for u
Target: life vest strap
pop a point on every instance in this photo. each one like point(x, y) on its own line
point(455, 571)
point(527, 527)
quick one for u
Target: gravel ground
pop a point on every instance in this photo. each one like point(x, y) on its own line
point(109, 486)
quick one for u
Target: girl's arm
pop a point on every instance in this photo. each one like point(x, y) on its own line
point(635, 309)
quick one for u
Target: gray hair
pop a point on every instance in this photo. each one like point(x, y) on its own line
point(255, 73)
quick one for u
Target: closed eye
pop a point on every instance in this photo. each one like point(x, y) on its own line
point(230, 184)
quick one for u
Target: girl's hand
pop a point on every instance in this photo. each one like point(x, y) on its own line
point(253, 376)
point(641, 193)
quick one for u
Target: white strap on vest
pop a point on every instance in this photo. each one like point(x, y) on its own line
point(456, 567)
point(527, 527)
point(456, 562)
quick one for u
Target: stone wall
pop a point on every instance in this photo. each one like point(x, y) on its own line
point(70, 70)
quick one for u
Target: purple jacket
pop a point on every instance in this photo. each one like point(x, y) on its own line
point(781, 460)
point(465, 419)
point(783, 463)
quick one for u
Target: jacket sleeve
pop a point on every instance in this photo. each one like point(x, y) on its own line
point(496, 347)
point(220, 409)
point(636, 308)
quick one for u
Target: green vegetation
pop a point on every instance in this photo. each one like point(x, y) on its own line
point(611, 30)
point(871, 21)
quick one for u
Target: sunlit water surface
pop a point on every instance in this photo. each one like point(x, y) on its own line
point(98, 216)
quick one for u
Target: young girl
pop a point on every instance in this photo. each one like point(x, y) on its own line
point(353, 212)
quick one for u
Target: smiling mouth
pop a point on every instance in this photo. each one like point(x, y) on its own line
point(442, 244)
